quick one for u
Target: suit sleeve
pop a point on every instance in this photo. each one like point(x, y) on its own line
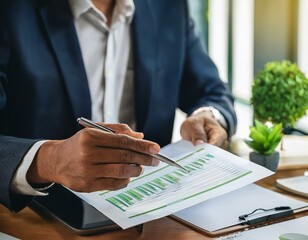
point(202, 79)
point(12, 149)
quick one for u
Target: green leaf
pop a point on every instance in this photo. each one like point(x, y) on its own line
point(280, 93)
point(275, 133)
point(255, 146)
point(256, 136)
point(261, 128)
point(264, 139)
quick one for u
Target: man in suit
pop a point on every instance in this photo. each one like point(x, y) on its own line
point(125, 61)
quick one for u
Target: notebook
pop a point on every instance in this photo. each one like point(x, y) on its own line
point(297, 185)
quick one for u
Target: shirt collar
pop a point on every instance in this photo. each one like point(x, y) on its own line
point(124, 9)
point(79, 7)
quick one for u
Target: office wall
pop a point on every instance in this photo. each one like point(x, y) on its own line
point(275, 31)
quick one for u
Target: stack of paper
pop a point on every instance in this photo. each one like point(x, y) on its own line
point(297, 185)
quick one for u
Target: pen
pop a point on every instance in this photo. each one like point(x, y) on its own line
point(88, 123)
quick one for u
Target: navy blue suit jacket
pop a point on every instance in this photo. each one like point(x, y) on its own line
point(43, 84)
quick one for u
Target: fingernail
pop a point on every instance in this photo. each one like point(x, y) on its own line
point(142, 170)
point(154, 149)
point(155, 162)
point(141, 135)
point(197, 142)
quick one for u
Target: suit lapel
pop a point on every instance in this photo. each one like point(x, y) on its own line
point(59, 25)
point(145, 48)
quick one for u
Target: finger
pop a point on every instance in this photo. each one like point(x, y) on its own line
point(125, 129)
point(217, 136)
point(225, 145)
point(215, 139)
point(199, 135)
point(100, 155)
point(120, 141)
point(194, 131)
point(219, 141)
point(120, 171)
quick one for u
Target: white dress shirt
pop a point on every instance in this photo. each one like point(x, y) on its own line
point(106, 53)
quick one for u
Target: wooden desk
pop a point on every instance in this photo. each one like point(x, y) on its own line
point(28, 225)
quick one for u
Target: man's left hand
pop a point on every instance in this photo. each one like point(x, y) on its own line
point(202, 128)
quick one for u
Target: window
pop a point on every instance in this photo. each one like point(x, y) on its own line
point(245, 34)
point(242, 35)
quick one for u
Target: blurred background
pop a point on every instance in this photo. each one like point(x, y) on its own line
point(242, 35)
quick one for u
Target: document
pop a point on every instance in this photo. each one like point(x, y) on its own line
point(223, 212)
point(295, 229)
point(4, 236)
point(165, 189)
point(297, 185)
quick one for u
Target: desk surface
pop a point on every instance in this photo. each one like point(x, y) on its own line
point(28, 225)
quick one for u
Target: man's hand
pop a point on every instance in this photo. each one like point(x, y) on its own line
point(202, 127)
point(93, 160)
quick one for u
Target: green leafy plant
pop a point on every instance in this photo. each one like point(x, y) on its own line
point(280, 93)
point(264, 139)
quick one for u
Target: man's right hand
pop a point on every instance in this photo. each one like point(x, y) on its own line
point(93, 160)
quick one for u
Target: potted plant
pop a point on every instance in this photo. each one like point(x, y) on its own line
point(280, 94)
point(263, 141)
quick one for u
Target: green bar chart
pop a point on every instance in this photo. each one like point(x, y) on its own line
point(211, 174)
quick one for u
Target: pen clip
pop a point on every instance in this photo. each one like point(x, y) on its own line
point(275, 213)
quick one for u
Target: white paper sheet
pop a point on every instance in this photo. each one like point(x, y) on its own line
point(224, 211)
point(298, 185)
point(295, 229)
point(164, 190)
point(4, 236)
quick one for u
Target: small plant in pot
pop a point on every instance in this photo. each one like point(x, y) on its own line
point(263, 140)
point(280, 94)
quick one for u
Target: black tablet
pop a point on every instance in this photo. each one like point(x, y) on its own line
point(64, 206)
